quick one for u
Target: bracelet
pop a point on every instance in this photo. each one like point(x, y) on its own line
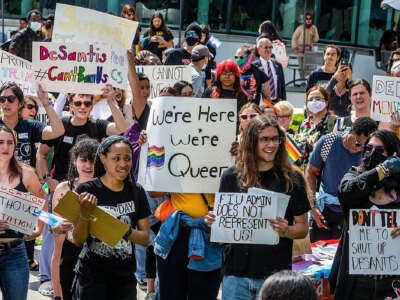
point(84, 218)
point(385, 170)
point(47, 103)
point(128, 233)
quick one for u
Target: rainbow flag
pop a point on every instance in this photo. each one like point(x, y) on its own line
point(155, 156)
point(293, 151)
point(136, 49)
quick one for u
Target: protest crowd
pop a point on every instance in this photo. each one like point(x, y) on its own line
point(121, 161)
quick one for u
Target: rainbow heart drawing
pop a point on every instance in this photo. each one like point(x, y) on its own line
point(155, 156)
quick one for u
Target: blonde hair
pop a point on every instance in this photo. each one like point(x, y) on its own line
point(285, 108)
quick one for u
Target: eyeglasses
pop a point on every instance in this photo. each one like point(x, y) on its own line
point(10, 99)
point(239, 57)
point(30, 106)
point(249, 116)
point(283, 117)
point(191, 33)
point(225, 73)
point(377, 149)
point(276, 140)
point(79, 103)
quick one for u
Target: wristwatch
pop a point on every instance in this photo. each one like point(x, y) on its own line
point(127, 234)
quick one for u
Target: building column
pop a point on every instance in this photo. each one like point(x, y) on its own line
point(202, 11)
point(26, 6)
point(363, 26)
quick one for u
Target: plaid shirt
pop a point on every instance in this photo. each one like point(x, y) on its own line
point(21, 43)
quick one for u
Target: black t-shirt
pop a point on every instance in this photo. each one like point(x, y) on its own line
point(318, 77)
point(144, 117)
point(62, 145)
point(178, 57)
point(167, 36)
point(29, 132)
point(260, 261)
point(129, 206)
point(252, 81)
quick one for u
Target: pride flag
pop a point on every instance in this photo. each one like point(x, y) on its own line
point(155, 156)
point(45, 189)
point(292, 149)
point(214, 42)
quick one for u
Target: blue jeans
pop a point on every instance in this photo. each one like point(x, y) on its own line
point(240, 288)
point(14, 273)
point(140, 252)
point(45, 254)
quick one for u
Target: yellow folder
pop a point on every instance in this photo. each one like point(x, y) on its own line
point(102, 225)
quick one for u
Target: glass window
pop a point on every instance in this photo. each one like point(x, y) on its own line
point(336, 21)
point(373, 23)
point(248, 17)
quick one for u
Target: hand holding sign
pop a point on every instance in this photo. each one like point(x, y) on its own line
point(280, 225)
point(88, 202)
point(42, 94)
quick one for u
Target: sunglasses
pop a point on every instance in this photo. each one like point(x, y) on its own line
point(10, 99)
point(79, 103)
point(250, 116)
point(239, 57)
point(193, 34)
point(30, 106)
point(377, 149)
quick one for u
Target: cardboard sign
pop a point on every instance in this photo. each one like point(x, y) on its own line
point(103, 226)
point(164, 76)
point(83, 25)
point(188, 144)
point(372, 251)
point(385, 97)
point(17, 208)
point(18, 70)
point(243, 217)
point(78, 68)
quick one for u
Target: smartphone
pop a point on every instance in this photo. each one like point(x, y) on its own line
point(344, 62)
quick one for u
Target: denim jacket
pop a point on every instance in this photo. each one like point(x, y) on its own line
point(204, 256)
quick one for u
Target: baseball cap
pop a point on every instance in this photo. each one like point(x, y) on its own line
point(201, 51)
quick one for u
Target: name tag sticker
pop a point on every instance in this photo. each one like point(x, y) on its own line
point(68, 139)
point(23, 135)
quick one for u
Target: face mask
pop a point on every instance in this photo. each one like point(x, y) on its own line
point(190, 41)
point(35, 26)
point(316, 106)
point(371, 159)
point(205, 66)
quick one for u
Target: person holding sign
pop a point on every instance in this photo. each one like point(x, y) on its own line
point(103, 272)
point(65, 255)
point(372, 185)
point(262, 162)
point(14, 270)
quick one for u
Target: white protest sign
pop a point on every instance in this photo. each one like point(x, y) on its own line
point(243, 217)
point(17, 209)
point(77, 68)
point(164, 76)
point(385, 97)
point(188, 144)
point(372, 251)
point(18, 70)
point(78, 24)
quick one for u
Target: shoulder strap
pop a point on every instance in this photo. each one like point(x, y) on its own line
point(206, 202)
point(327, 145)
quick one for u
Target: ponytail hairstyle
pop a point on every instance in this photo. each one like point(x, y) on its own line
point(84, 147)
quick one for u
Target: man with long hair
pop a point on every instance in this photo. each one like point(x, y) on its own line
point(262, 162)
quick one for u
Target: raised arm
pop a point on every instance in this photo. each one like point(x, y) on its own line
point(120, 124)
point(56, 127)
point(138, 102)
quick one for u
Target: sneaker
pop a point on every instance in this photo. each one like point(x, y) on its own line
point(142, 284)
point(46, 289)
point(150, 296)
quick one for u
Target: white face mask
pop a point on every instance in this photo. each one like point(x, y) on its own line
point(316, 106)
point(35, 26)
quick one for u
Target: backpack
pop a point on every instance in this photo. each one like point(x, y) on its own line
point(325, 150)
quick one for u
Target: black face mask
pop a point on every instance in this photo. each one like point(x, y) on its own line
point(371, 159)
point(190, 41)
